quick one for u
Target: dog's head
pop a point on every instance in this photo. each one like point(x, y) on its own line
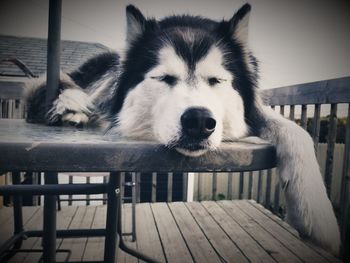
point(186, 82)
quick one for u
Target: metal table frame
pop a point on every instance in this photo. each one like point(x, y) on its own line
point(31, 147)
point(50, 233)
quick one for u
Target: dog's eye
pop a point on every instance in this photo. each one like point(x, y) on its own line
point(168, 79)
point(213, 81)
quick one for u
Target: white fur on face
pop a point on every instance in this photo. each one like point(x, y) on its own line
point(153, 109)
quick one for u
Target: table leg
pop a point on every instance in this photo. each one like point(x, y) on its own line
point(113, 195)
point(17, 210)
point(49, 235)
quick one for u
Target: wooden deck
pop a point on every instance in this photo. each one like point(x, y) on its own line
point(223, 231)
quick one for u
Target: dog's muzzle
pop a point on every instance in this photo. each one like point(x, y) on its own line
point(197, 125)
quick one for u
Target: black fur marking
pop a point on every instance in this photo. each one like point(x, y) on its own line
point(92, 70)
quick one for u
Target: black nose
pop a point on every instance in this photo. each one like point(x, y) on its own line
point(198, 123)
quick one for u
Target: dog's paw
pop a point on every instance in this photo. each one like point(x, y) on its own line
point(76, 119)
point(73, 106)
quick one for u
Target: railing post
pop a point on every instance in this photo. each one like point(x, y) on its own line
point(345, 183)
point(53, 51)
point(332, 134)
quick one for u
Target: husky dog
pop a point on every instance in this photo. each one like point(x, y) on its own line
point(191, 83)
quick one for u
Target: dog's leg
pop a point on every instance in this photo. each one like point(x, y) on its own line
point(72, 105)
point(308, 208)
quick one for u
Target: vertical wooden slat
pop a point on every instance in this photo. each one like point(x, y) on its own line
point(184, 186)
point(88, 196)
point(316, 125)
point(229, 186)
point(154, 187)
point(104, 195)
point(259, 194)
point(241, 185)
point(70, 181)
point(273, 107)
point(282, 110)
point(332, 134)
point(250, 185)
point(170, 187)
point(214, 185)
point(291, 112)
point(303, 121)
point(268, 189)
point(122, 186)
point(345, 183)
point(1, 108)
point(138, 187)
point(276, 204)
point(199, 185)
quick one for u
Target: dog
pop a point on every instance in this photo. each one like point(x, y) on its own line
point(190, 83)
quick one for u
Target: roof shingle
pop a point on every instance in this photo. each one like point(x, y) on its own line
point(32, 52)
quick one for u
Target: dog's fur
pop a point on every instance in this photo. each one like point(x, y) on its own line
point(183, 62)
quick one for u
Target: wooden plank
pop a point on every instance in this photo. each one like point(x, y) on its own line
point(316, 126)
point(250, 185)
point(184, 186)
point(332, 134)
point(95, 245)
point(214, 185)
point(294, 232)
point(127, 228)
point(271, 245)
point(276, 201)
point(282, 110)
point(8, 221)
point(246, 243)
point(199, 186)
point(285, 237)
point(259, 194)
point(11, 89)
point(241, 185)
point(138, 187)
point(170, 187)
point(34, 223)
point(154, 187)
point(170, 235)
point(82, 219)
point(292, 112)
point(303, 120)
point(227, 250)
point(122, 186)
point(345, 182)
point(148, 240)
point(319, 92)
point(5, 214)
point(199, 246)
point(229, 186)
point(268, 188)
point(64, 218)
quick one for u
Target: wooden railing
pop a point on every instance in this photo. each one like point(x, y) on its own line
point(299, 103)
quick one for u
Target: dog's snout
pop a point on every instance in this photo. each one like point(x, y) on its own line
point(198, 123)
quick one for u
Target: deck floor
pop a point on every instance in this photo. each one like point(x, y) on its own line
point(223, 231)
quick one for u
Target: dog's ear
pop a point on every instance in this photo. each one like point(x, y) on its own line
point(136, 23)
point(238, 24)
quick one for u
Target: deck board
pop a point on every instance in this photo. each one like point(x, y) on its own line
point(250, 248)
point(208, 231)
point(170, 235)
point(195, 239)
point(285, 237)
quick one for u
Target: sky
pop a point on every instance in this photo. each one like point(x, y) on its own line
point(295, 41)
